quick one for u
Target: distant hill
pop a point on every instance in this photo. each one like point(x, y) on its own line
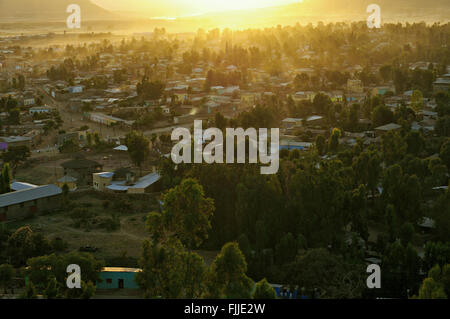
point(48, 10)
point(389, 6)
point(327, 11)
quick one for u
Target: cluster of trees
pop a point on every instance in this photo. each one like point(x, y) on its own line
point(171, 269)
point(15, 156)
point(96, 82)
point(42, 263)
point(314, 205)
point(216, 78)
point(5, 179)
point(151, 90)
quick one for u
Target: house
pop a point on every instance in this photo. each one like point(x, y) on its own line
point(248, 99)
point(65, 137)
point(386, 128)
point(284, 291)
point(40, 109)
point(14, 141)
point(314, 120)
point(426, 223)
point(290, 122)
point(146, 184)
point(118, 278)
point(28, 101)
point(291, 145)
point(102, 180)
point(442, 84)
point(75, 89)
point(71, 182)
point(107, 119)
point(21, 203)
point(18, 186)
point(355, 86)
point(303, 96)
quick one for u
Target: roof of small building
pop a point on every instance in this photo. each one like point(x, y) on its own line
point(105, 174)
point(147, 180)
point(29, 194)
point(120, 269)
point(12, 139)
point(18, 186)
point(67, 179)
point(388, 127)
point(121, 148)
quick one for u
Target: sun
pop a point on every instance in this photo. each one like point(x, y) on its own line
point(230, 5)
point(186, 7)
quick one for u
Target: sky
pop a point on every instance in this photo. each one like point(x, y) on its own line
point(177, 8)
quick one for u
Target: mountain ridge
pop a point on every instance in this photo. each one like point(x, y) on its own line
point(49, 10)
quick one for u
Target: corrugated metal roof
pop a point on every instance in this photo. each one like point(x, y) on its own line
point(147, 180)
point(26, 195)
point(18, 186)
point(120, 269)
point(67, 179)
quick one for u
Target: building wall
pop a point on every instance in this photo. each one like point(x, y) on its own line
point(113, 282)
point(20, 211)
point(100, 183)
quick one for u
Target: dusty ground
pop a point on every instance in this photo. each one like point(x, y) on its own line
point(128, 239)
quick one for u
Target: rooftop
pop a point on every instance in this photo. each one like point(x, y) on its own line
point(29, 194)
point(120, 269)
point(388, 127)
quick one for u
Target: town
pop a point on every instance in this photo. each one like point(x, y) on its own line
point(87, 177)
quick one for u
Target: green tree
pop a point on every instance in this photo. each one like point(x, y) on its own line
point(263, 290)
point(29, 292)
point(16, 155)
point(332, 276)
point(7, 273)
point(86, 292)
point(187, 212)
point(168, 271)
point(321, 144)
point(69, 146)
point(286, 249)
point(227, 278)
point(445, 153)
point(406, 233)
point(430, 289)
point(435, 285)
point(138, 147)
point(5, 179)
point(52, 290)
point(417, 100)
point(415, 142)
point(14, 117)
point(382, 115)
point(333, 144)
point(393, 147)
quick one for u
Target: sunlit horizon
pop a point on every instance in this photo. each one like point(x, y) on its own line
point(181, 8)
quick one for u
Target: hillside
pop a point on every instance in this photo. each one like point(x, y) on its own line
point(326, 11)
point(48, 10)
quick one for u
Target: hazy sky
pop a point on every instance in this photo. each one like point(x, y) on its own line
point(172, 8)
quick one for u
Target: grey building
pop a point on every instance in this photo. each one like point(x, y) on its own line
point(19, 204)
